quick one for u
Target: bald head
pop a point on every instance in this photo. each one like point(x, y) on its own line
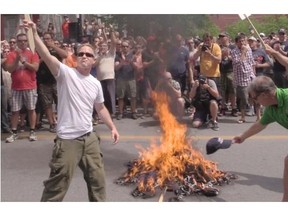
point(167, 75)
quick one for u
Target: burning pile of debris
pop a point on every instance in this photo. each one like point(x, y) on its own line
point(173, 165)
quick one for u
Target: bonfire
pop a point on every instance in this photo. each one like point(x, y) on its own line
point(173, 165)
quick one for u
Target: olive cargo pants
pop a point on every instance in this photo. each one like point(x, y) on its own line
point(83, 151)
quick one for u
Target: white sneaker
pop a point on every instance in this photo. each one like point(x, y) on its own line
point(251, 111)
point(32, 136)
point(12, 138)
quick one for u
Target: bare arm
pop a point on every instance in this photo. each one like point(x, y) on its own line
point(113, 38)
point(51, 61)
point(61, 52)
point(277, 55)
point(192, 93)
point(254, 129)
point(105, 116)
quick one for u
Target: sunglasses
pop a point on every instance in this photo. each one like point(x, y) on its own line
point(12, 42)
point(89, 55)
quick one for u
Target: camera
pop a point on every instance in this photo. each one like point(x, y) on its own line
point(205, 47)
point(202, 79)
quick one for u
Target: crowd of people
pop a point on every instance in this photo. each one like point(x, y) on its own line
point(130, 68)
point(204, 78)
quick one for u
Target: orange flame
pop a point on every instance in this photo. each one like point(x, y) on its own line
point(173, 159)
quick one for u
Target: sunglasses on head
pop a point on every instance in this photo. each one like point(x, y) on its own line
point(89, 55)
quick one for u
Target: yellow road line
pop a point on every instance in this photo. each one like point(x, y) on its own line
point(151, 137)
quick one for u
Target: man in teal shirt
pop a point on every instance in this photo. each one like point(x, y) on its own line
point(264, 91)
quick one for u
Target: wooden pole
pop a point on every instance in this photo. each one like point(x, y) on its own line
point(161, 198)
point(30, 34)
point(260, 38)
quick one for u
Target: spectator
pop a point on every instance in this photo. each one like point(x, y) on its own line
point(40, 29)
point(47, 83)
point(173, 91)
point(178, 62)
point(262, 63)
point(243, 70)
point(88, 30)
point(210, 58)
point(226, 74)
point(23, 64)
point(126, 82)
point(5, 92)
point(65, 30)
point(106, 73)
point(204, 95)
point(51, 29)
point(279, 70)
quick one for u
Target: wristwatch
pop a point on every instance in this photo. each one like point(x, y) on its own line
point(23, 62)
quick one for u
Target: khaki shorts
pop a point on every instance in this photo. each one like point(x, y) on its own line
point(126, 88)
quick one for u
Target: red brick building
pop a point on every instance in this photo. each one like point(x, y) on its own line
point(224, 20)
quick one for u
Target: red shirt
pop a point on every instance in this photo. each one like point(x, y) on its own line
point(65, 29)
point(23, 78)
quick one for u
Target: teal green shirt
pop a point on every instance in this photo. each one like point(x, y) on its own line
point(277, 113)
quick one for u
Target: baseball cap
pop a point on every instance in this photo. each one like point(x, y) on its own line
point(216, 143)
point(282, 31)
point(223, 34)
point(262, 34)
point(252, 38)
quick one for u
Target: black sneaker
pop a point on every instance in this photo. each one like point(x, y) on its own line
point(52, 128)
point(214, 125)
point(234, 112)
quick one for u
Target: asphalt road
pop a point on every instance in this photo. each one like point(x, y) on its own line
point(258, 162)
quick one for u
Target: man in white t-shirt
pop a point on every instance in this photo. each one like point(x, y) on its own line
point(75, 144)
point(105, 70)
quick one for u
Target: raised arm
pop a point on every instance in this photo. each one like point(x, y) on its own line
point(51, 61)
point(277, 55)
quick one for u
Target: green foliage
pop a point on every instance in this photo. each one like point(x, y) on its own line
point(270, 23)
point(165, 25)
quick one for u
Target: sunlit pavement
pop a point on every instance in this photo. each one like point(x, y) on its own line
point(258, 162)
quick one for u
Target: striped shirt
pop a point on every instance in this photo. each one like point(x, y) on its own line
point(243, 69)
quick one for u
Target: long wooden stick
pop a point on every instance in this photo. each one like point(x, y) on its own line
point(260, 38)
point(161, 198)
point(30, 34)
point(258, 35)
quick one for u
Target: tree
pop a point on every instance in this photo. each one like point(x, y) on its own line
point(271, 23)
point(164, 25)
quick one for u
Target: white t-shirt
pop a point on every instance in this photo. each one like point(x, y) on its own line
point(105, 67)
point(77, 95)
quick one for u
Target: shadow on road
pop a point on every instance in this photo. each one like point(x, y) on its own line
point(269, 183)
point(152, 123)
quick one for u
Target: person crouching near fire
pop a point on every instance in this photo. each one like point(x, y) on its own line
point(173, 90)
point(205, 96)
